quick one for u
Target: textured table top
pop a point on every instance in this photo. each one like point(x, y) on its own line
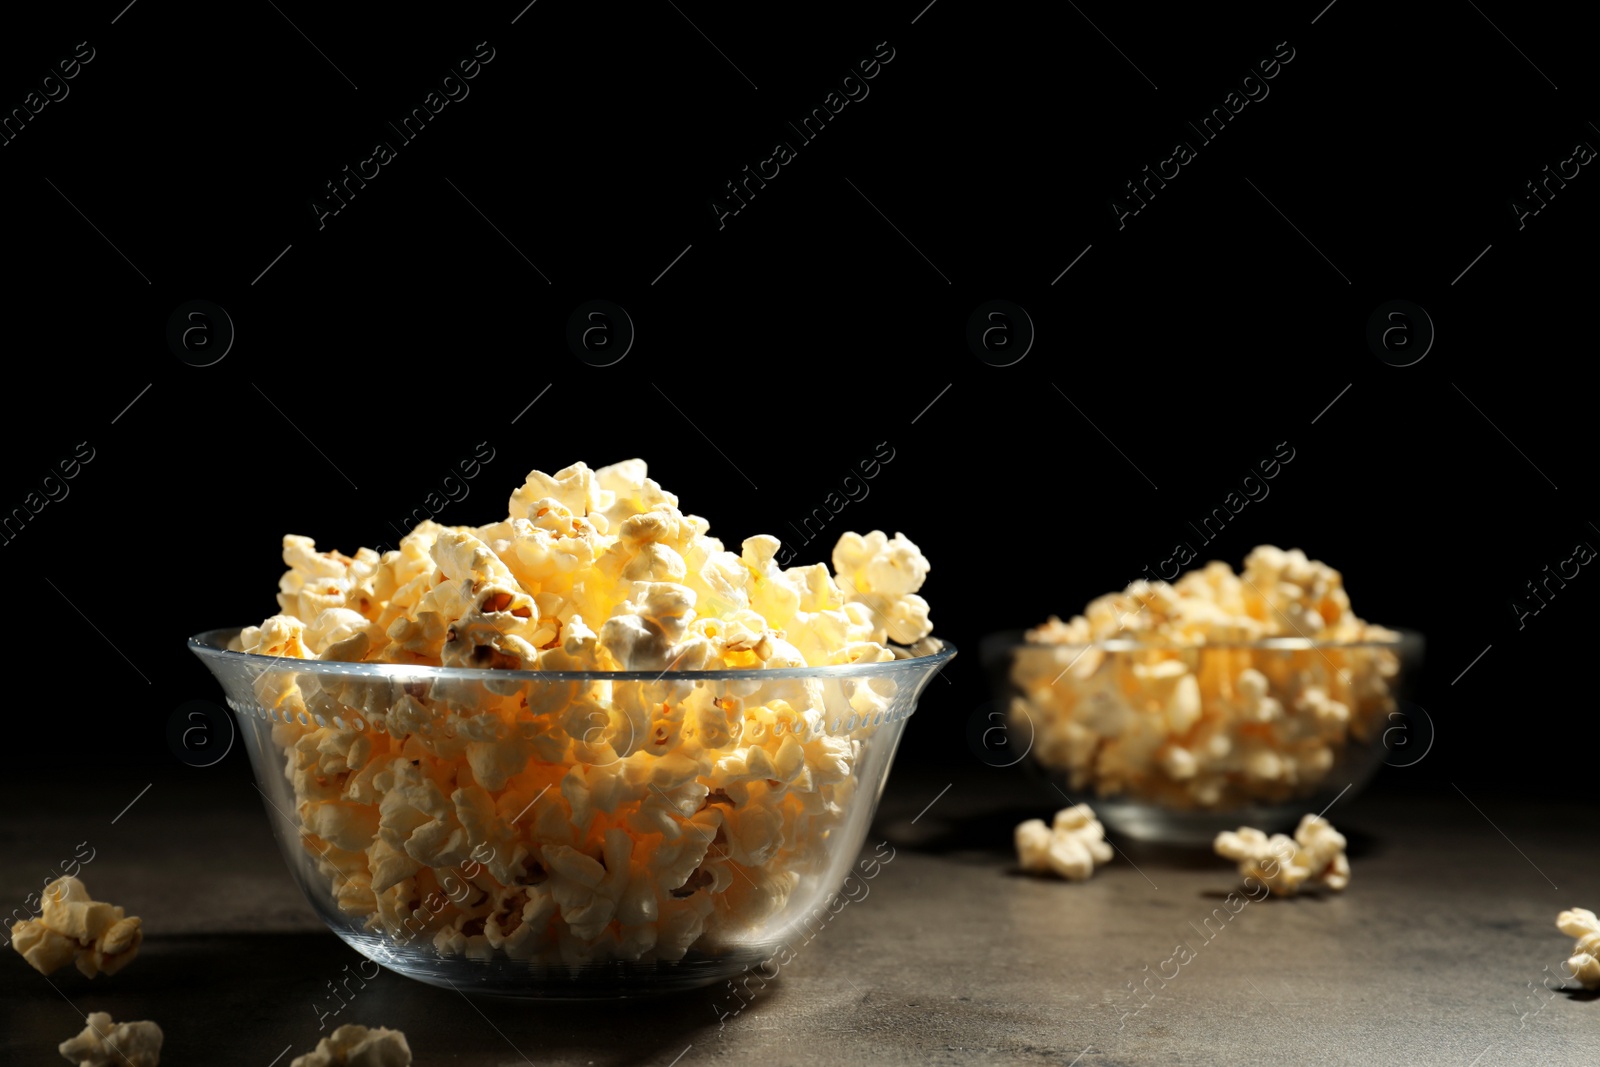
point(1432, 956)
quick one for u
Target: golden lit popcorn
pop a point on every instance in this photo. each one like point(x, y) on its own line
point(884, 575)
point(358, 1046)
point(72, 928)
point(1313, 857)
point(1582, 924)
point(568, 822)
point(1071, 846)
point(106, 1044)
point(1200, 709)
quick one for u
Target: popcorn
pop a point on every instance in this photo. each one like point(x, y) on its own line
point(72, 928)
point(1314, 856)
point(571, 822)
point(1188, 718)
point(357, 1046)
point(1582, 924)
point(104, 1044)
point(1071, 847)
point(884, 575)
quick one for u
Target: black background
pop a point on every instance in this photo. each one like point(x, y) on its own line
point(828, 316)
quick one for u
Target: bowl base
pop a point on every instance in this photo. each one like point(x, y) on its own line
point(1138, 821)
point(526, 979)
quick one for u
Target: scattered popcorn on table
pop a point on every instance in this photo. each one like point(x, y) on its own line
point(1189, 719)
point(1071, 847)
point(357, 1046)
point(102, 1044)
point(72, 928)
point(1582, 924)
point(577, 822)
point(1313, 857)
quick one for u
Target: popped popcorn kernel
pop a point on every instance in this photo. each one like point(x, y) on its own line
point(1313, 857)
point(357, 1046)
point(73, 928)
point(1071, 847)
point(1197, 713)
point(884, 575)
point(1584, 964)
point(106, 1044)
point(571, 822)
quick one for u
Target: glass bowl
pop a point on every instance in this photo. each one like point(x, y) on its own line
point(1174, 744)
point(569, 834)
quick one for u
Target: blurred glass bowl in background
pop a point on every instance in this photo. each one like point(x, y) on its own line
point(1174, 743)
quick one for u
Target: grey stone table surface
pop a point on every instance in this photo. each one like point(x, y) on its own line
point(1434, 955)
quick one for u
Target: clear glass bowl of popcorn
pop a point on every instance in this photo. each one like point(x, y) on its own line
point(1174, 743)
point(569, 834)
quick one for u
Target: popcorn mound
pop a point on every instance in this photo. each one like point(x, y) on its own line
point(106, 1044)
point(568, 821)
point(1314, 857)
point(1584, 963)
point(357, 1046)
point(73, 928)
point(1070, 847)
point(1190, 720)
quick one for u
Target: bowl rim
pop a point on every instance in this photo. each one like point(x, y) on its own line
point(208, 646)
point(1404, 639)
